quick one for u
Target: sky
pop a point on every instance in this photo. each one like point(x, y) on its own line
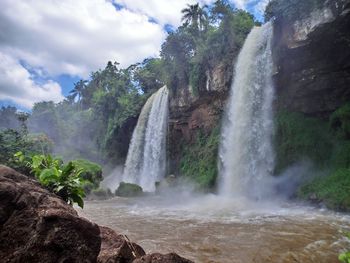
point(48, 45)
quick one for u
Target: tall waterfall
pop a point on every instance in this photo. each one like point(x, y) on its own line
point(146, 159)
point(246, 153)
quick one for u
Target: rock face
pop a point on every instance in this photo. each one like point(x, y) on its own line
point(312, 59)
point(190, 113)
point(115, 248)
point(37, 226)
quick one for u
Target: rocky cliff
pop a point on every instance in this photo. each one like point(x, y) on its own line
point(312, 76)
point(312, 59)
point(193, 113)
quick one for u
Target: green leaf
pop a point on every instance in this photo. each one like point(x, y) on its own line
point(344, 257)
point(68, 169)
point(77, 199)
point(48, 175)
point(37, 161)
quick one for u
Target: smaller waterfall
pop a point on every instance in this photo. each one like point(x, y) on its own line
point(246, 153)
point(146, 159)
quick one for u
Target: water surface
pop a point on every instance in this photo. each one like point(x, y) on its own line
point(213, 229)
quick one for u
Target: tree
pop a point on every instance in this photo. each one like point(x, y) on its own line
point(78, 89)
point(195, 16)
point(8, 118)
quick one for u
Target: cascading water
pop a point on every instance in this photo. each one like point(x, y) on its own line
point(146, 159)
point(246, 154)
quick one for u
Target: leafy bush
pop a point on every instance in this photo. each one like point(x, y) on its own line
point(62, 179)
point(91, 173)
point(199, 160)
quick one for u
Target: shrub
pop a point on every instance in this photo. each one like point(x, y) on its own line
point(62, 179)
point(91, 173)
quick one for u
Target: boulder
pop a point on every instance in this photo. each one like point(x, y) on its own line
point(117, 248)
point(159, 258)
point(38, 226)
point(128, 190)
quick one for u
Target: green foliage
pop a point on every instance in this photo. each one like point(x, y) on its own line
point(12, 141)
point(291, 9)
point(333, 189)
point(345, 257)
point(340, 122)
point(298, 137)
point(91, 173)
point(203, 42)
point(327, 145)
point(199, 160)
point(128, 190)
point(65, 180)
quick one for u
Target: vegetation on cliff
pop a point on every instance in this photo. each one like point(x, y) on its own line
point(327, 145)
point(199, 161)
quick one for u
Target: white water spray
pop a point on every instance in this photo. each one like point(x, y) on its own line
point(246, 154)
point(146, 159)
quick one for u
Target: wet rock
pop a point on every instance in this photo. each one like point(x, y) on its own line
point(312, 73)
point(128, 190)
point(117, 248)
point(159, 258)
point(38, 226)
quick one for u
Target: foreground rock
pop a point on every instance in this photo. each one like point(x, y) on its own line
point(159, 258)
point(115, 248)
point(38, 226)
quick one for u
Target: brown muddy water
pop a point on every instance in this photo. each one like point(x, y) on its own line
point(213, 229)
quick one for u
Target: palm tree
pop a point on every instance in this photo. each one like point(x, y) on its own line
point(78, 89)
point(195, 16)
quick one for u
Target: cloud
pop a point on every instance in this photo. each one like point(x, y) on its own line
point(163, 11)
point(72, 37)
point(16, 85)
point(75, 37)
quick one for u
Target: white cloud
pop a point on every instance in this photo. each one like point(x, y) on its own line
point(164, 11)
point(75, 36)
point(71, 37)
point(16, 85)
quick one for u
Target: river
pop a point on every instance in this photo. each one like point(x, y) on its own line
point(209, 228)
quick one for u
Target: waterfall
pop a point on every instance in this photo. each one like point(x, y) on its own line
point(246, 153)
point(146, 160)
